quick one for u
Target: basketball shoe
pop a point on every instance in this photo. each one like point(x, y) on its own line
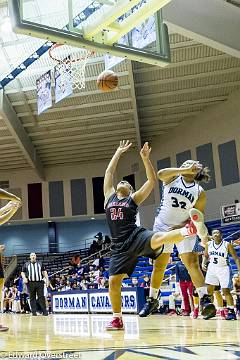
point(231, 315)
point(115, 324)
point(208, 308)
point(150, 306)
point(198, 220)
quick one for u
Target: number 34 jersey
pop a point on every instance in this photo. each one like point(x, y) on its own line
point(178, 197)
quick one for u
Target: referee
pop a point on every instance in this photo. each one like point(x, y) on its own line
point(33, 273)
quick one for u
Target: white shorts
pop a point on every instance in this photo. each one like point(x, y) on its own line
point(219, 275)
point(188, 245)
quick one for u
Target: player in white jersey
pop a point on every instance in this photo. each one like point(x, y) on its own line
point(219, 271)
point(181, 192)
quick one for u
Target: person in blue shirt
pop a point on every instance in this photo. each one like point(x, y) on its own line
point(186, 286)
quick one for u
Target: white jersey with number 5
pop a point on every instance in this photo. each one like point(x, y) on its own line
point(218, 254)
point(178, 197)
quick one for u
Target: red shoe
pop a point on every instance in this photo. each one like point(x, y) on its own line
point(222, 314)
point(172, 313)
point(195, 313)
point(115, 324)
point(185, 313)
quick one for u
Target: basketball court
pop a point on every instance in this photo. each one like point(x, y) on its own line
point(163, 68)
point(83, 337)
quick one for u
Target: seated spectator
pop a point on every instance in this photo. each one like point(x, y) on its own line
point(74, 286)
point(75, 261)
point(92, 283)
point(53, 283)
point(173, 298)
point(146, 282)
point(102, 283)
point(83, 285)
point(15, 300)
point(135, 282)
point(7, 300)
point(71, 270)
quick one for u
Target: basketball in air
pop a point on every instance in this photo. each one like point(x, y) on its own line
point(107, 81)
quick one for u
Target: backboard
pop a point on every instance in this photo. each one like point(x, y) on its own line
point(120, 28)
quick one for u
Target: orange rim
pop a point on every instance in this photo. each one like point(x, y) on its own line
point(67, 61)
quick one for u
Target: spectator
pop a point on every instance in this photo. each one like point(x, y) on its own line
point(236, 291)
point(93, 248)
point(175, 296)
point(75, 261)
point(7, 300)
point(186, 285)
point(15, 300)
point(135, 282)
point(146, 282)
point(103, 284)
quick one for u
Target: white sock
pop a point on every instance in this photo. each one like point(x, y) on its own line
point(153, 293)
point(117, 315)
point(219, 308)
point(230, 307)
point(202, 291)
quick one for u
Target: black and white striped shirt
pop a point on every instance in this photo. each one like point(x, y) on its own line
point(34, 270)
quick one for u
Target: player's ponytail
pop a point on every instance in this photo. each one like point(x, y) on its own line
point(203, 175)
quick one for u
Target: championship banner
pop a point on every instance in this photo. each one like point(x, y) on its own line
point(62, 81)
point(44, 96)
point(230, 213)
point(70, 302)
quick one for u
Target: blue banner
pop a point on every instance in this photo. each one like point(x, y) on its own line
point(96, 301)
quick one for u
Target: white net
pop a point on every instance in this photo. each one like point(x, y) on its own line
point(71, 65)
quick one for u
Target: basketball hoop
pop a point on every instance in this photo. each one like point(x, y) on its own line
point(71, 63)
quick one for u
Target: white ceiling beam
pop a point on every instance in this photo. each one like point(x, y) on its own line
point(177, 110)
point(113, 140)
point(78, 159)
point(189, 90)
point(206, 21)
point(197, 60)
point(80, 119)
point(163, 117)
point(40, 71)
point(101, 135)
point(83, 129)
point(81, 106)
point(209, 100)
point(16, 129)
point(73, 96)
point(76, 150)
point(203, 75)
